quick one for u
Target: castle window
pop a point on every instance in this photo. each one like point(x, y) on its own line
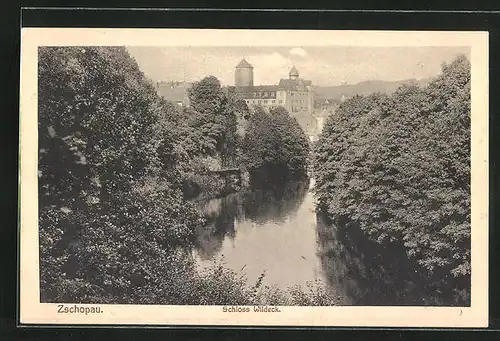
point(274, 101)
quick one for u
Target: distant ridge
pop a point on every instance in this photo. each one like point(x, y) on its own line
point(363, 88)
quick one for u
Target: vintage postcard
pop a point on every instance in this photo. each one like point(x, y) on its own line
point(192, 177)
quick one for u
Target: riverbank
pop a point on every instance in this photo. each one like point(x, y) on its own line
point(266, 237)
point(396, 167)
point(280, 240)
point(115, 224)
point(380, 274)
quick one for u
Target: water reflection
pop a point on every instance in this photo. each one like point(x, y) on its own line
point(372, 274)
point(278, 232)
point(278, 205)
point(272, 231)
point(221, 215)
point(260, 207)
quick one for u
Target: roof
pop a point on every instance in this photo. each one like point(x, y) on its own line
point(244, 64)
point(174, 84)
point(293, 84)
point(294, 71)
point(173, 94)
point(244, 89)
point(257, 92)
point(284, 84)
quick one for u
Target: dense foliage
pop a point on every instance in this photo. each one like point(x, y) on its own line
point(275, 145)
point(114, 226)
point(213, 115)
point(111, 208)
point(398, 167)
point(210, 137)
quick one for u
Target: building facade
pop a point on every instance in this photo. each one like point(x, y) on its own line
point(296, 95)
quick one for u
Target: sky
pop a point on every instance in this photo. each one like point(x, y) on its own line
point(322, 65)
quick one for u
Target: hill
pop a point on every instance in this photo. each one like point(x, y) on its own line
point(335, 93)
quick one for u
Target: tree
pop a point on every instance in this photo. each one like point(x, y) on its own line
point(275, 145)
point(111, 208)
point(214, 115)
point(113, 224)
point(210, 137)
point(398, 167)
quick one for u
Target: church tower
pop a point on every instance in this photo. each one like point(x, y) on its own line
point(294, 73)
point(243, 75)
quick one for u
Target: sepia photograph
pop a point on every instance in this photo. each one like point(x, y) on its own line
point(255, 175)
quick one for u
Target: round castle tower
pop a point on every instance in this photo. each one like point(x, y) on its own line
point(243, 75)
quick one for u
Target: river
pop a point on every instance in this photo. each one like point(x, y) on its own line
point(278, 233)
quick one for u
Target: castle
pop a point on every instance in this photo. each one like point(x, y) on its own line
point(296, 95)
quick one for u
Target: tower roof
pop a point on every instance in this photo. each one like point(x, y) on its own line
point(294, 72)
point(244, 64)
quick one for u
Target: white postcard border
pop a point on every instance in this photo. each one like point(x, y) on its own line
point(34, 312)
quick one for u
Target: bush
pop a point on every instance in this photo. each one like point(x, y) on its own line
point(221, 286)
point(398, 167)
point(315, 294)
